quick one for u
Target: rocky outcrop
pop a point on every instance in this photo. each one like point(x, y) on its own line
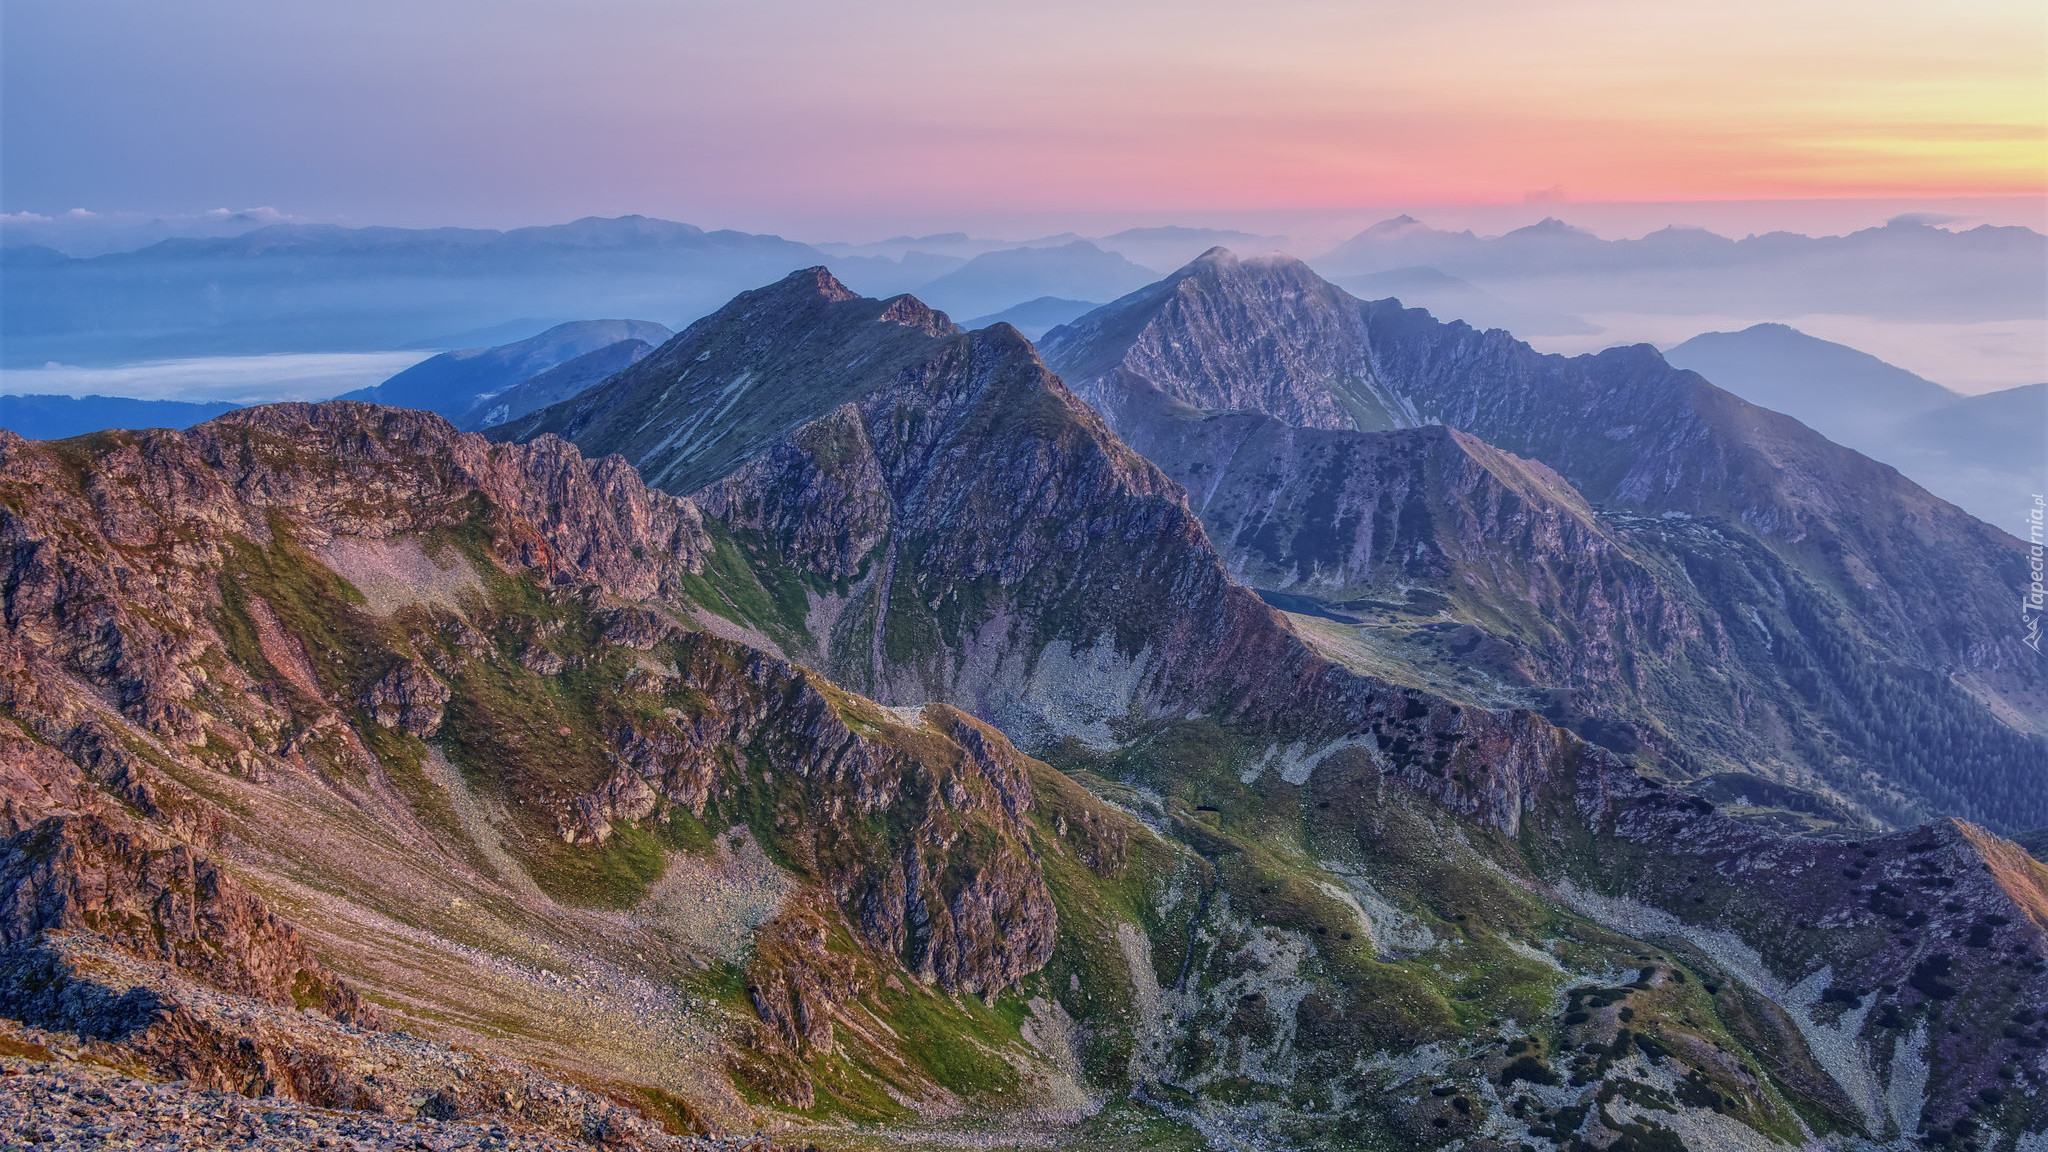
point(104, 1006)
point(1223, 334)
point(956, 894)
point(159, 900)
point(637, 628)
point(111, 548)
point(408, 698)
point(57, 1102)
point(195, 579)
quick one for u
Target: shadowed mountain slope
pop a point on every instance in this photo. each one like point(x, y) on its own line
point(1988, 454)
point(1844, 613)
point(453, 383)
point(554, 385)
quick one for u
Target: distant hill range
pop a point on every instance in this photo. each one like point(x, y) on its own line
point(318, 287)
point(1987, 454)
point(471, 385)
point(56, 417)
point(295, 287)
point(291, 287)
point(996, 280)
point(1034, 318)
point(1905, 270)
point(1450, 298)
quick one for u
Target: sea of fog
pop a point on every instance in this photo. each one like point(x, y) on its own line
point(235, 379)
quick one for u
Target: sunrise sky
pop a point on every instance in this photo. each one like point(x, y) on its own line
point(821, 114)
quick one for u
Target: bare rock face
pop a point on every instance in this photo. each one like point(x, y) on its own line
point(637, 628)
point(159, 900)
point(1918, 953)
point(408, 698)
point(126, 611)
point(1188, 342)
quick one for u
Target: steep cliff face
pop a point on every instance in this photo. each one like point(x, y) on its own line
point(159, 900)
point(971, 914)
point(1756, 569)
point(1632, 432)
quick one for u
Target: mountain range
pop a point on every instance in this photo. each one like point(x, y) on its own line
point(57, 417)
point(844, 725)
point(1988, 454)
point(479, 386)
point(1641, 554)
point(1905, 270)
point(295, 287)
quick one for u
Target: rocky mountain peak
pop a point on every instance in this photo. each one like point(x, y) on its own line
point(815, 282)
point(1206, 337)
point(910, 312)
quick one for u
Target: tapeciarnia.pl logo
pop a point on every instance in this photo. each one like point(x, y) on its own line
point(2036, 598)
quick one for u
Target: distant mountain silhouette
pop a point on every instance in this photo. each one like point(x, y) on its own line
point(453, 383)
point(1846, 395)
point(1034, 318)
point(1449, 298)
point(320, 287)
point(57, 417)
point(1906, 270)
point(997, 280)
point(1985, 454)
point(554, 385)
point(1174, 245)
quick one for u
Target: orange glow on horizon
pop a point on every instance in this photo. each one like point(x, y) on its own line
point(801, 108)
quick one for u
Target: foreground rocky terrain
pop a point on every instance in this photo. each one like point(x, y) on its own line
point(905, 760)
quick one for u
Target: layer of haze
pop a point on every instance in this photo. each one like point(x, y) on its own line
point(829, 116)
